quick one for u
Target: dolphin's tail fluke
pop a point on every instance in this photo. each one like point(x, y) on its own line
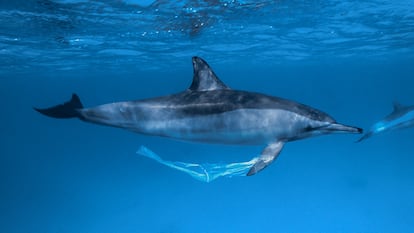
point(69, 109)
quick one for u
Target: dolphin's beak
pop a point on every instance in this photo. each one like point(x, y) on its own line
point(343, 128)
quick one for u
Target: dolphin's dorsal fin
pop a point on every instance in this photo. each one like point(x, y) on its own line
point(204, 78)
point(397, 106)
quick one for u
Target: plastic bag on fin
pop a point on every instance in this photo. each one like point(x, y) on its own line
point(206, 172)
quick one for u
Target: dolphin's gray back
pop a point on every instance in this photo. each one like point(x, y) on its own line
point(397, 113)
point(193, 103)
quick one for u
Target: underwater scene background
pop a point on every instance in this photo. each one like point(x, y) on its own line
point(351, 59)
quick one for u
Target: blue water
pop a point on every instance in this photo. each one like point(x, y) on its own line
point(351, 59)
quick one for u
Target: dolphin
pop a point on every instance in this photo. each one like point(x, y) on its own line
point(401, 117)
point(209, 111)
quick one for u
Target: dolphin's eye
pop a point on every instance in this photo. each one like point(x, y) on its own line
point(308, 128)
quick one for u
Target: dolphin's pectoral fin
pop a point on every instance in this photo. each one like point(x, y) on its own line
point(269, 154)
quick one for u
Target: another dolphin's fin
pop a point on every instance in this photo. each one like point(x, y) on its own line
point(397, 106)
point(367, 135)
point(69, 109)
point(204, 78)
point(269, 154)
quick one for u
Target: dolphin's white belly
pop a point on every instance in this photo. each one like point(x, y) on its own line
point(243, 126)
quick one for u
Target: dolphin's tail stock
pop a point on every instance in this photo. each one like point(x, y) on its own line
point(68, 109)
